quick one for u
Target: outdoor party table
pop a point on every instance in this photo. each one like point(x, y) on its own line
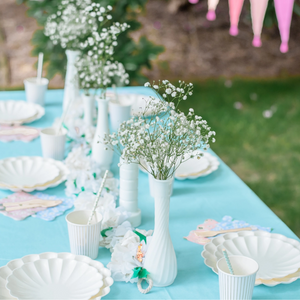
point(193, 201)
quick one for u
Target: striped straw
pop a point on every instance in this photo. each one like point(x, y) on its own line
point(228, 261)
point(97, 197)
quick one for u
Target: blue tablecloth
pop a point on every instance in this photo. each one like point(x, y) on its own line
point(221, 193)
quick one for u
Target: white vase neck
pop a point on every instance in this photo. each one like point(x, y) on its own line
point(72, 55)
point(84, 96)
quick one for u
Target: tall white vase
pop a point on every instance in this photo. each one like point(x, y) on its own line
point(71, 90)
point(129, 175)
point(88, 107)
point(160, 258)
point(102, 153)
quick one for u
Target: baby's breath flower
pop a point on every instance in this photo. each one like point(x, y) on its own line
point(167, 139)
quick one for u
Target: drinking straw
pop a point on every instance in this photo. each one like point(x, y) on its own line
point(40, 67)
point(228, 261)
point(98, 197)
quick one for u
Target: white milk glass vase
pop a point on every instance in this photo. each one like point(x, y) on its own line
point(129, 176)
point(71, 90)
point(101, 153)
point(160, 258)
point(88, 108)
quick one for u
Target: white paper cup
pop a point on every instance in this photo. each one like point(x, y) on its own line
point(53, 144)
point(35, 90)
point(119, 111)
point(84, 239)
point(240, 285)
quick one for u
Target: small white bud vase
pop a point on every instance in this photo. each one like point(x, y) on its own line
point(88, 108)
point(160, 258)
point(71, 90)
point(129, 176)
point(101, 153)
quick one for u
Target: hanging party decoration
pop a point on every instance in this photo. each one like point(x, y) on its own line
point(235, 8)
point(258, 11)
point(284, 11)
point(212, 5)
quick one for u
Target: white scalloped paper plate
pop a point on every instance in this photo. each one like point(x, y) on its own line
point(210, 258)
point(62, 176)
point(17, 263)
point(11, 111)
point(26, 172)
point(54, 278)
point(209, 165)
point(14, 112)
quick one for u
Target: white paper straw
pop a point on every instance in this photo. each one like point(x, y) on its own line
point(40, 67)
point(228, 261)
point(98, 197)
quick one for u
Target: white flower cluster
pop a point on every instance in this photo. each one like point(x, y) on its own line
point(74, 21)
point(124, 256)
point(98, 74)
point(85, 175)
point(163, 141)
point(79, 134)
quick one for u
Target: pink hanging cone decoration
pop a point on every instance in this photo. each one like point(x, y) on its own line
point(284, 11)
point(258, 11)
point(235, 8)
point(194, 1)
point(211, 14)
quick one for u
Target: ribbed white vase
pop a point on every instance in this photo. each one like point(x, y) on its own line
point(160, 258)
point(129, 176)
point(102, 153)
point(71, 90)
point(88, 108)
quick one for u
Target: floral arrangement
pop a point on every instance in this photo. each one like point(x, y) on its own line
point(85, 175)
point(162, 142)
point(127, 259)
point(96, 66)
point(71, 24)
point(87, 27)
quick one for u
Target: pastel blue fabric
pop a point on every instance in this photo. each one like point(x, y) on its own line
point(220, 194)
point(52, 212)
point(228, 222)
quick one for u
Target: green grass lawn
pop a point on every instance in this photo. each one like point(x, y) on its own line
point(263, 152)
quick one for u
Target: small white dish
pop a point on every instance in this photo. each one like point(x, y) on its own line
point(210, 259)
point(17, 263)
point(62, 176)
point(26, 172)
point(14, 112)
point(54, 278)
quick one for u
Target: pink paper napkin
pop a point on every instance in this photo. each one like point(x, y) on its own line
point(18, 133)
point(22, 213)
point(208, 224)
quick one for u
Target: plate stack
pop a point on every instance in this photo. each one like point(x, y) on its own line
point(194, 168)
point(54, 276)
point(278, 257)
point(29, 173)
point(19, 112)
